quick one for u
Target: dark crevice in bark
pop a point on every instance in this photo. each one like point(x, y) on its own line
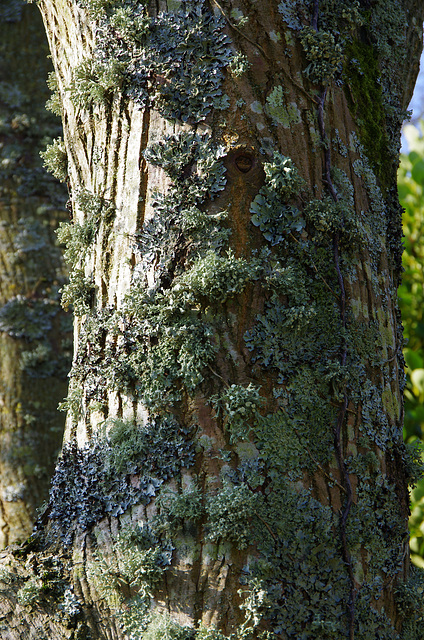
point(144, 177)
point(341, 416)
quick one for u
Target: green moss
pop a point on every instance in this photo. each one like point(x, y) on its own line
point(363, 76)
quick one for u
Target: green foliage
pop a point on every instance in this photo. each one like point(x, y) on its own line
point(411, 299)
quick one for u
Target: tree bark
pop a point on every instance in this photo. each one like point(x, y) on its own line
point(34, 357)
point(233, 462)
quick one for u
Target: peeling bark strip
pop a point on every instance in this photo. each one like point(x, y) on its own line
point(233, 465)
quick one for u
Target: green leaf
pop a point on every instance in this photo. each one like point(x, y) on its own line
point(413, 359)
point(418, 171)
point(417, 378)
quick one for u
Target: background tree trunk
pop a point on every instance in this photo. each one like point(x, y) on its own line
point(33, 354)
point(233, 456)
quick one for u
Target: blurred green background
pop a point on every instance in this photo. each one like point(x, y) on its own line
point(411, 298)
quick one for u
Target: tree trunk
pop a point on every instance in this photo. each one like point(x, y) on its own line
point(32, 331)
point(233, 463)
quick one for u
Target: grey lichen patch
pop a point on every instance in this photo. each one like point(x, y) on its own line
point(272, 211)
point(178, 511)
point(218, 277)
point(94, 82)
point(22, 317)
point(163, 339)
point(239, 65)
point(256, 107)
point(136, 566)
point(162, 626)
point(158, 62)
point(114, 472)
point(53, 104)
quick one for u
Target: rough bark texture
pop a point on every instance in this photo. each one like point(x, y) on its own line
point(234, 464)
point(33, 355)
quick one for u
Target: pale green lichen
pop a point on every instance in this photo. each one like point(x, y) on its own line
point(238, 406)
point(55, 159)
point(323, 53)
point(30, 592)
point(281, 112)
point(239, 65)
point(256, 107)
